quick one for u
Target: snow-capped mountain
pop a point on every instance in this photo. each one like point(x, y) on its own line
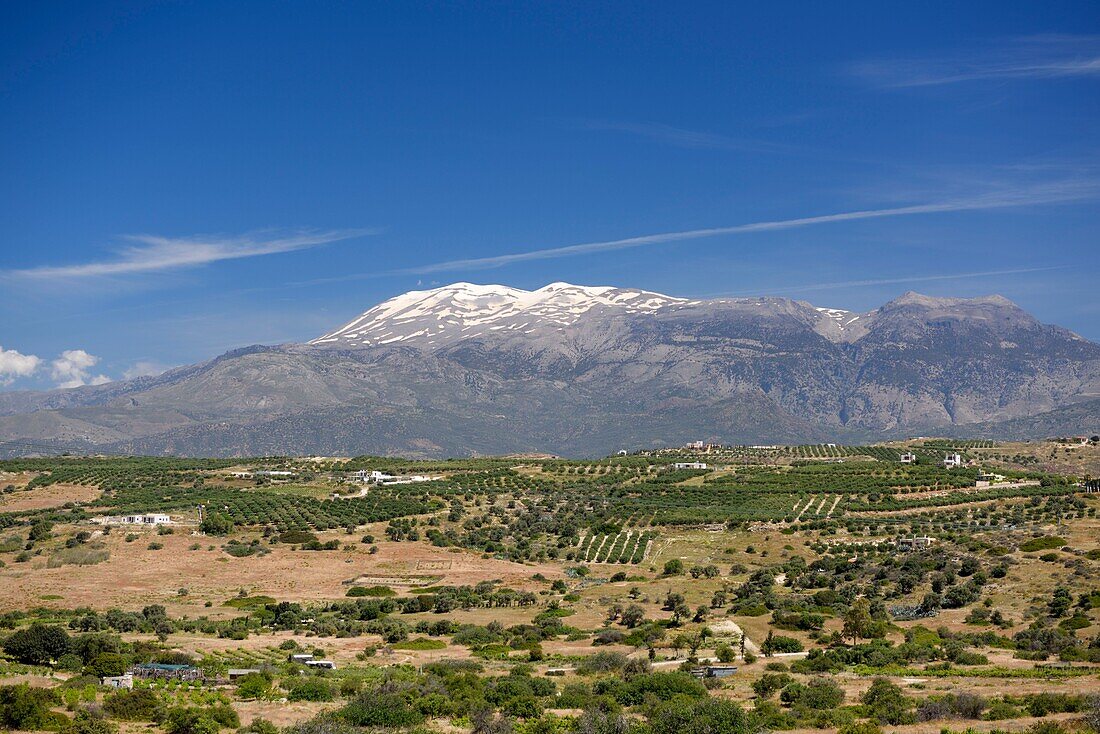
point(482, 369)
point(462, 310)
point(453, 313)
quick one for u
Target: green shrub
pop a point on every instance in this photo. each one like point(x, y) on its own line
point(86, 723)
point(216, 524)
point(1047, 542)
point(777, 643)
point(375, 709)
point(29, 708)
point(311, 689)
point(139, 704)
point(200, 720)
point(297, 537)
point(254, 685)
point(420, 643)
point(373, 591)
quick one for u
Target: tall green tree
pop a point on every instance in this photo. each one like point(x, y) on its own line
point(38, 644)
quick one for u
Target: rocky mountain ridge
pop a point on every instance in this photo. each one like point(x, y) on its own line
point(589, 370)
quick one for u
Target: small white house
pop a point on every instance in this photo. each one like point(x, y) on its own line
point(908, 458)
point(689, 465)
point(411, 478)
point(381, 477)
point(151, 519)
point(371, 476)
point(952, 460)
point(988, 479)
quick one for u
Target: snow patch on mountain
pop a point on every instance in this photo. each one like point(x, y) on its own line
point(463, 310)
point(842, 318)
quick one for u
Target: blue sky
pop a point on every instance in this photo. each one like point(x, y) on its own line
point(179, 179)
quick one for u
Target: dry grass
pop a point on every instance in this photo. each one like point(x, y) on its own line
point(42, 498)
point(135, 576)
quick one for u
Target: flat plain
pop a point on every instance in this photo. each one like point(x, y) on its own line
point(799, 588)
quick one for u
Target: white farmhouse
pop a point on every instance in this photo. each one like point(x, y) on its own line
point(151, 519)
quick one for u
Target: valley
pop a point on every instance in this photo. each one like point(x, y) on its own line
point(786, 587)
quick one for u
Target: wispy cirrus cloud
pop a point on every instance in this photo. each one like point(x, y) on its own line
point(1052, 192)
point(680, 137)
point(868, 282)
point(1035, 57)
point(153, 253)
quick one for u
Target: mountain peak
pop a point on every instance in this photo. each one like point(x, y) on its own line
point(462, 310)
point(912, 298)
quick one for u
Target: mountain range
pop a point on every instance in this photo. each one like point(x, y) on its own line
point(487, 369)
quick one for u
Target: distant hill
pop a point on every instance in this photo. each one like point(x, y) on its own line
point(572, 370)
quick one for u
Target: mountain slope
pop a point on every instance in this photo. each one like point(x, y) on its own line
point(588, 370)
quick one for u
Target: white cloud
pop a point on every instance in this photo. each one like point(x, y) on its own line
point(1035, 57)
point(143, 369)
point(73, 369)
point(1056, 192)
point(155, 253)
point(13, 365)
point(776, 290)
point(681, 137)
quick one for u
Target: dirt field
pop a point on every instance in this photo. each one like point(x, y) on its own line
point(1053, 457)
point(135, 576)
point(280, 713)
point(42, 498)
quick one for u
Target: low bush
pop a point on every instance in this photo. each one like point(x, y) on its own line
point(310, 689)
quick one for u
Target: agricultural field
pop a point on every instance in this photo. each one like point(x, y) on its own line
point(798, 588)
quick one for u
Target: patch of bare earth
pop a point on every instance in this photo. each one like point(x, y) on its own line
point(135, 576)
point(280, 713)
point(41, 498)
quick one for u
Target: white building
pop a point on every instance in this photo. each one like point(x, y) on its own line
point(917, 543)
point(908, 458)
point(152, 519)
point(381, 477)
point(371, 476)
point(696, 445)
point(689, 465)
point(952, 460)
point(409, 478)
point(988, 479)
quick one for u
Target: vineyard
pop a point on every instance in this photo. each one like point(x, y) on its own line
point(627, 546)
